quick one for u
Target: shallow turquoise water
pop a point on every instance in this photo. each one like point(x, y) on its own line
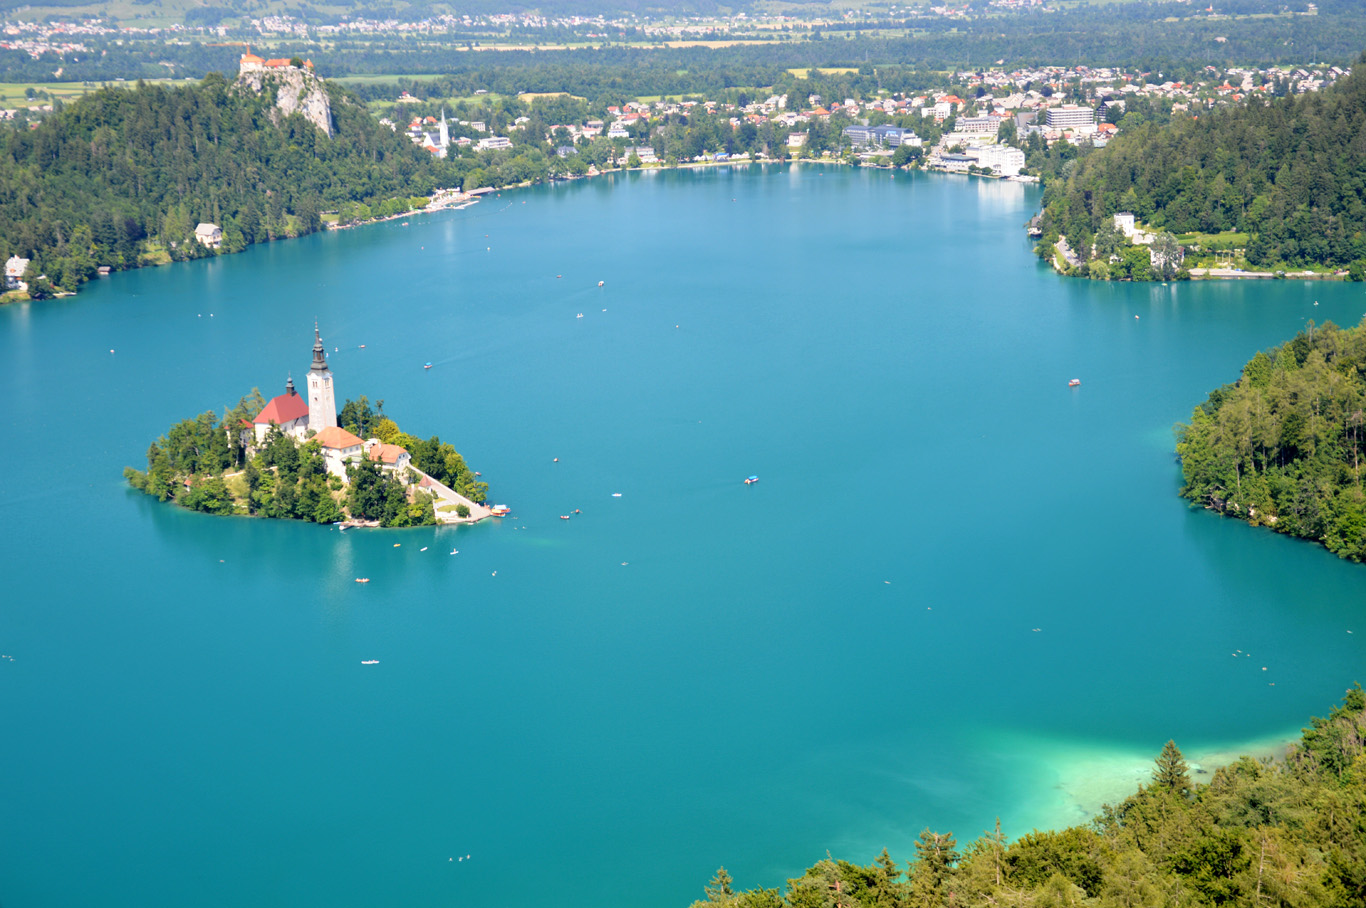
point(833, 658)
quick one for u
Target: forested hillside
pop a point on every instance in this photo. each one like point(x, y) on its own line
point(126, 172)
point(1291, 172)
point(1259, 834)
point(1283, 446)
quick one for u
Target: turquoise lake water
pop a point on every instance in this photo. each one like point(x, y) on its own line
point(959, 590)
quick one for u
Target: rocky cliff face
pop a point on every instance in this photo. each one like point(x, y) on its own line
point(296, 91)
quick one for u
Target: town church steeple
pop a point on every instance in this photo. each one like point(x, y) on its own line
point(322, 399)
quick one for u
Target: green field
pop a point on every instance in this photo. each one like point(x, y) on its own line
point(14, 94)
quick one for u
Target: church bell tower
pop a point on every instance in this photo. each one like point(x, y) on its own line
point(322, 400)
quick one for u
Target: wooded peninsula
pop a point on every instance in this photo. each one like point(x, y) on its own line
point(1260, 833)
point(1282, 446)
point(1282, 180)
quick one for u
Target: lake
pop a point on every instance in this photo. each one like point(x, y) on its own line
point(959, 590)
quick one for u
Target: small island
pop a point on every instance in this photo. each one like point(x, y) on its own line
point(297, 458)
point(1283, 446)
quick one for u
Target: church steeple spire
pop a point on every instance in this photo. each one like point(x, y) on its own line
point(322, 401)
point(319, 357)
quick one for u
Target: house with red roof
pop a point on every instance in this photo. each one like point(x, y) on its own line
point(391, 458)
point(340, 448)
point(289, 411)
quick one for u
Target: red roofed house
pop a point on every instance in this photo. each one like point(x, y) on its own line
point(391, 458)
point(340, 448)
point(289, 411)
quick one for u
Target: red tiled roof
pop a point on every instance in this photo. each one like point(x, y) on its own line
point(336, 437)
point(386, 453)
point(282, 409)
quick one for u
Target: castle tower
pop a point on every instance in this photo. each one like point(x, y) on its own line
point(322, 400)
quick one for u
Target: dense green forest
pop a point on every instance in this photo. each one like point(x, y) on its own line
point(203, 465)
point(124, 175)
point(1261, 833)
point(1283, 445)
point(1291, 172)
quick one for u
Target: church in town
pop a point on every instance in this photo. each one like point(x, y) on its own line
point(315, 416)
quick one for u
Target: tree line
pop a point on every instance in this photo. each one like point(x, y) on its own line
point(1290, 834)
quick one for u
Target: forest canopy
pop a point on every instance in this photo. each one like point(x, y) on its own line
point(123, 176)
point(1290, 172)
point(1283, 445)
point(1290, 834)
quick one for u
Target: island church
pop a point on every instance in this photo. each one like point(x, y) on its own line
point(297, 417)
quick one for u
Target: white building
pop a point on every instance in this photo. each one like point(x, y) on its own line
point(1124, 223)
point(1002, 159)
point(339, 448)
point(322, 399)
point(292, 412)
point(210, 235)
point(14, 273)
point(981, 126)
point(391, 458)
point(493, 142)
point(289, 411)
point(1070, 116)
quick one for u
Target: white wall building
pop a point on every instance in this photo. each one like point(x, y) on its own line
point(322, 399)
point(289, 411)
point(339, 448)
point(1070, 116)
point(391, 458)
point(1002, 159)
point(988, 125)
point(14, 273)
point(210, 235)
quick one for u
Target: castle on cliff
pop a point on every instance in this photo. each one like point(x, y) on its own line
point(250, 63)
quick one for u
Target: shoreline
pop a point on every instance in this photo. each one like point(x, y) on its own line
point(1087, 777)
point(460, 200)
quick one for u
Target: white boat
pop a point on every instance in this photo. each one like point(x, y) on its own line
point(369, 662)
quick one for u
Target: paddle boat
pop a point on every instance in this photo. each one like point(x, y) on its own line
point(751, 480)
point(427, 366)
